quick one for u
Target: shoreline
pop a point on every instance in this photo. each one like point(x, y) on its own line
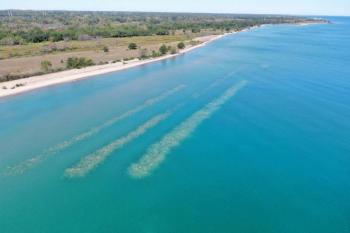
point(19, 86)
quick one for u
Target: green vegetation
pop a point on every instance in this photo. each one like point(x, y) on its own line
point(181, 45)
point(196, 30)
point(156, 54)
point(12, 40)
point(39, 26)
point(132, 46)
point(46, 66)
point(63, 36)
point(34, 49)
point(77, 63)
point(163, 49)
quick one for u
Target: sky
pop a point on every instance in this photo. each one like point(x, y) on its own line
point(294, 7)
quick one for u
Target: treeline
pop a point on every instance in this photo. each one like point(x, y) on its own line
point(38, 35)
point(20, 27)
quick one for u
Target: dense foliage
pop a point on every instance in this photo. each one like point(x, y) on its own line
point(19, 27)
point(77, 63)
point(163, 49)
point(132, 46)
point(181, 45)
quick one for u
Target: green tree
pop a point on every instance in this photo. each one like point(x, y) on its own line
point(46, 66)
point(163, 49)
point(132, 46)
point(77, 63)
point(181, 45)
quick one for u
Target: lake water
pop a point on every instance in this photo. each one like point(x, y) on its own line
point(248, 134)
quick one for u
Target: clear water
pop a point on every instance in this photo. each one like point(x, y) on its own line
point(248, 134)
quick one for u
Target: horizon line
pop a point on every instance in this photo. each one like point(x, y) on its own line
point(185, 12)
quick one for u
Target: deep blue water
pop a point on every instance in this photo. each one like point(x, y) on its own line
point(248, 134)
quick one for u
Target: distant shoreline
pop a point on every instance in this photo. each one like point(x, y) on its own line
point(23, 85)
point(20, 86)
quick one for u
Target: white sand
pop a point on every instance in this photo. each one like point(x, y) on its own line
point(36, 82)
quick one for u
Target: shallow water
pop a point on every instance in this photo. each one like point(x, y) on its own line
point(274, 156)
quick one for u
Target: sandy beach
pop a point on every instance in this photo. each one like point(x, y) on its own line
point(31, 83)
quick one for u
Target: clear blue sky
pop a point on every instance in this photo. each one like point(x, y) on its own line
point(303, 7)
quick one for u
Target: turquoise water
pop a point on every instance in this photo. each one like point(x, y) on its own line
point(248, 134)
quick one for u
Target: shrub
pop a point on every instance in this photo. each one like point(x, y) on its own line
point(77, 63)
point(162, 32)
point(46, 66)
point(155, 54)
point(132, 46)
point(128, 59)
point(163, 49)
point(181, 45)
point(12, 41)
point(105, 49)
point(196, 30)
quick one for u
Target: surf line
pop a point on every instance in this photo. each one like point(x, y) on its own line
point(157, 152)
point(91, 161)
point(30, 163)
